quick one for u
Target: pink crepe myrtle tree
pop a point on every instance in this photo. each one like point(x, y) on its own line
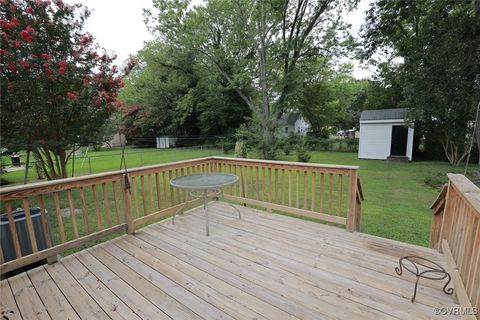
point(58, 87)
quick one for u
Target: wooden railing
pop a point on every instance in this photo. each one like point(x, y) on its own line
point(76, 211)
point(456, 232)
point(327, 192)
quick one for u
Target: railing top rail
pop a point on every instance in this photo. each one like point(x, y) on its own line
point(289, 163)
point(467, 189)
point(99, 176)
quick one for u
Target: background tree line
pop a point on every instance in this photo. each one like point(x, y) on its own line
point(233, 63)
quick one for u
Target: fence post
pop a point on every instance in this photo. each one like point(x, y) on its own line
point(352, 219)
point(127, 204)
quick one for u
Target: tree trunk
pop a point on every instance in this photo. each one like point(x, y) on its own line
point(52, 161)
point(454, 152)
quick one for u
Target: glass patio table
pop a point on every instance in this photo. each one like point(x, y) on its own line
point(204, 186)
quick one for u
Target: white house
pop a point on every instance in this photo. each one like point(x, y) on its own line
point(293, 122)
point(385, 134)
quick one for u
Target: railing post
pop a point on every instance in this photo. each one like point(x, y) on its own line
point(127, 204)
point(445, 217)
point(352, 219)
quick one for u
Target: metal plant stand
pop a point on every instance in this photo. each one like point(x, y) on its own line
point(423, 268)
point(204, 186)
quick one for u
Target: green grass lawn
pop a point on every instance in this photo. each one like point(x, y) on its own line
point(109, 160)
point(397, 199)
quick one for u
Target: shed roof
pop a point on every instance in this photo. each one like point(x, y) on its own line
point(383, 114)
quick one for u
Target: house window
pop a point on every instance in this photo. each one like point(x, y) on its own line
point(286, 129)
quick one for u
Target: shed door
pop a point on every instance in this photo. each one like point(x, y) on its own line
point(399, 141)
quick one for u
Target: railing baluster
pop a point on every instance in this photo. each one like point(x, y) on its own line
point(58, 214)
point(257, 182)
point(289, 188)
point(245, 181)
point(172, 197)
point(252, 195)
point(157, 186)
point(71, 205)
point(127, 203)
point(474, 267)
point(43, 217)
point(97, 208)
point(322, 190)
point(305, 190)
point(339, 195)
point(150, 191)
point(234, 171)
point(330, 193)
point(28, 219)
point(314, 178)
point(283, 187)
point(269, 190)
point(276, 185)
point(263, 183)
point(165, 201)
point(115, 199)
point(240, 182)
point(13, 229)
point(144, 196)
point(297, 191)
point(183, 191)
point(84, 209)
point(106, 204)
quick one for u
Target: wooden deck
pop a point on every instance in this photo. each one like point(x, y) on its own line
point(265, 266)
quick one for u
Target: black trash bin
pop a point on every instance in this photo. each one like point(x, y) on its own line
point(15, 160)
point(22, 232)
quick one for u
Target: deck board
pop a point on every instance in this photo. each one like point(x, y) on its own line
point(264, 266)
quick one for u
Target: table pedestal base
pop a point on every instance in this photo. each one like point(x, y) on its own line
point(217, 193)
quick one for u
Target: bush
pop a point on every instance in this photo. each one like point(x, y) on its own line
point(259, 135)
point(97, 147)
point(303, 155)
point(302, 152)
point(240, 149)
point(288, 143)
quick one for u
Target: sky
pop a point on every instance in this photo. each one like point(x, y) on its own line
point(118, 26)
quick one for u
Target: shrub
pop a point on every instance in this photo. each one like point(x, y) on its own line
point(259, 135)
point(303, 155)
point(240, 149)
point(302, 152)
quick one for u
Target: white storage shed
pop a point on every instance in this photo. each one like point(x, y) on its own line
point(385, 134)
point(166, 142)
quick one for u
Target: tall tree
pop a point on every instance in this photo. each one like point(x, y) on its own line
point(58, 89)
point(258, 47)
point(438, 44)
